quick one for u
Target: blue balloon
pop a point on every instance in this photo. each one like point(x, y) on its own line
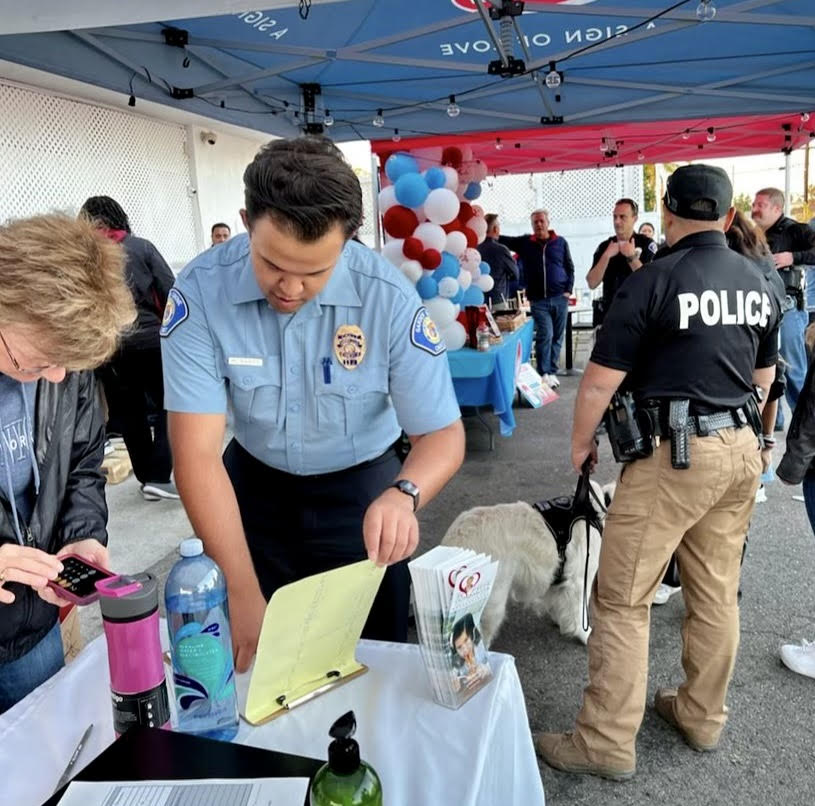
point(435, 178)
point(473, 296)
point(427, 288)
point(411, 190)
point(450, 266)
point(458, 296)
point(485, 267)
point(473, 191)
point(399, 165)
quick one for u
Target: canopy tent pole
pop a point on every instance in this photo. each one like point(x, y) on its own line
point(787, 182)
point(375, 201)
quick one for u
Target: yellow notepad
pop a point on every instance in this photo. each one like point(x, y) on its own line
point(308, 638)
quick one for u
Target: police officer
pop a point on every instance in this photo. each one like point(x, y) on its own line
point(616, 258)
point(699, 325)
point(322, 351)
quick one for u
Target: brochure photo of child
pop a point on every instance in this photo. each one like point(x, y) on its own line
point(469, 654)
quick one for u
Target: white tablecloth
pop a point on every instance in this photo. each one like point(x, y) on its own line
point(480, 755)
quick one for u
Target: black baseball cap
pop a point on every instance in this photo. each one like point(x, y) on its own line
point(698, 192)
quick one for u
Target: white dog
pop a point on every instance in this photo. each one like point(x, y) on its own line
point(521, 540)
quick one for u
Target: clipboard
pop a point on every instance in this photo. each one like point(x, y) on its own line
point(308, 639)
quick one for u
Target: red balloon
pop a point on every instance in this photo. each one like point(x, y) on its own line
point(454, 226)
point(452, 156)
point(465, 211)
point(472, 238)
point(399, 222)
point(413, 248)
point(430, 259)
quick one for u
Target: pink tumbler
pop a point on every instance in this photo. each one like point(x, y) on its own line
point(137, 683)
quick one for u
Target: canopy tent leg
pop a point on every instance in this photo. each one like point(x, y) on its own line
point(787, 183)
point(375, 202)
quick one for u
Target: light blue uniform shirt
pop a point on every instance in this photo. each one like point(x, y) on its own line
point(295, 406)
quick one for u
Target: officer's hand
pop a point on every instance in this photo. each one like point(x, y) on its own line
point(612, 249)
point(580, 452)
point(782, 259)
point(246, 608)
point(627, 248)
point(390, 529)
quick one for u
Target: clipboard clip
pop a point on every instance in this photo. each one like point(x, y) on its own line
point(333, 676)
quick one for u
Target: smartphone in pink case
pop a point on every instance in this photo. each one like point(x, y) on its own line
point(77, 582)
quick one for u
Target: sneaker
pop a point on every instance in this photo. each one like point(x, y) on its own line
point(664, 701)
point(800, 658)
point(559, 750)
point(664, 592)
point(156, 490)
point(761, 495)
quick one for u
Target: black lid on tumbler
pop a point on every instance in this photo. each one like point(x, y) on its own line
point(135, 605)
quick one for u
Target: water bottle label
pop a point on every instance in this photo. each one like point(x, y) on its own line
point(150, 708)
point(203, 673)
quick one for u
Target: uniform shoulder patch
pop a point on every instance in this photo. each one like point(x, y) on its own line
point(175, 312)
point(652, 247)
point(425, 335)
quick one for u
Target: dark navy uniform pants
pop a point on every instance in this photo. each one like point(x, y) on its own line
point(301, 525)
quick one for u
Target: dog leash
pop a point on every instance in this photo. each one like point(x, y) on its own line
point(583, 494)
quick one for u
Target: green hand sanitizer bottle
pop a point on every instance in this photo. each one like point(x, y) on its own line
point(345, 780)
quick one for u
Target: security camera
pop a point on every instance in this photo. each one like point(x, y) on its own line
point(210, 138)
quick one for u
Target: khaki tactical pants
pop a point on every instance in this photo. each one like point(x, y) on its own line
point(702, 514)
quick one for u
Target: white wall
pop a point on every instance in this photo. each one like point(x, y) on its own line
point(217, 172)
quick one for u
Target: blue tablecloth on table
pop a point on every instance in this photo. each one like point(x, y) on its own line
point(488, 378)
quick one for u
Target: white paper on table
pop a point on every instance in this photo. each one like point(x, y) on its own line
point(223, 791)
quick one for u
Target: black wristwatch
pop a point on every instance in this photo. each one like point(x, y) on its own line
point(408, 488)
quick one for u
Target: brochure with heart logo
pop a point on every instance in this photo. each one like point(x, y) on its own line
point(451, 587)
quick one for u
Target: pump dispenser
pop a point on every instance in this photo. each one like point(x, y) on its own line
point(345, 780)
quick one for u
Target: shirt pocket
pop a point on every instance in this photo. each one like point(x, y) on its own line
point(255, 392)
point(349, 399)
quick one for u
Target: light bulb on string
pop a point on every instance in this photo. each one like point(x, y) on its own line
point(328, 119)
point(711, 135)
point(498, 144)
point(640, 155)
point(379, 120)
point(705, 11)
point(686, 134)
point(453, 109)
point(396, 136)
point(553, 79)
point(804, 117)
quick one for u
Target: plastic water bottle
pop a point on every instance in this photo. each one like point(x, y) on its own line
point(201, 645)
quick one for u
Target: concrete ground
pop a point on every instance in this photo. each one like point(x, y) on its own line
point(767, 754)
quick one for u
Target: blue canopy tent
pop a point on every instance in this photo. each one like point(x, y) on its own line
point(375, 68)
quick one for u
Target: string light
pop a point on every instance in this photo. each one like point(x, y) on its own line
point(553, 79)
point(711, 135)
point(453, 109)
point(379, 120)
point(640, 155)
point(498, 144)
point(705, 11)
point(396, 136)
point(686, 134)
point(328, 120)
point(804, 117)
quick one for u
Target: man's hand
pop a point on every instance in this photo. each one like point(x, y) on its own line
point(247, 606)
point(27, 565)
point(612, 249)
point(627, 248)
point(390, 529)
point(89, 549)
point(582, 451)
point(766, 459)
point(782, 260)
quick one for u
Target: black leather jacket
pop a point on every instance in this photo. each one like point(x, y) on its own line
point(69, 447)
point(800, 452)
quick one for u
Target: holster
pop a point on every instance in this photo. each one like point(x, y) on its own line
point(678, 419)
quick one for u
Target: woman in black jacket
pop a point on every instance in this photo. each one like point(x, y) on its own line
point(133, 383)
point(63, 305)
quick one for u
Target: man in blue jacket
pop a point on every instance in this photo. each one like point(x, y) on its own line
point(549, 273)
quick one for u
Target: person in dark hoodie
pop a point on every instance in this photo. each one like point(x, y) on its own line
point(549, 275)
point(63, 305)
point(133, 379)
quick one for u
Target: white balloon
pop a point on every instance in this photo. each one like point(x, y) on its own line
point(420, 214)
point(392, 251)
point(412, 269)
point(432, 236)
point(456, 243)
point(480, 171)
point(454, 335)
point(475, 273)
point(465, 279)
point(478, 210)
point(450, 177)
point(467, 173)
point(486, 283)
point(428, 272)
point(472, 257)
point(441, 206)
point(479, 226)
point(466, 153)
point(448, 287)
point(441, 311)
point(387, 199)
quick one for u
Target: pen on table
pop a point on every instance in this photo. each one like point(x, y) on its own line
point(66, 775)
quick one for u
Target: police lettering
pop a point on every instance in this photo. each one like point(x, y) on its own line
point(720, 308)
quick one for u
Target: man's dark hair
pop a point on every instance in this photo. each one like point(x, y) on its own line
point(218, 226)
point(635, 208)
point(107, 212)
point(305, 186)
point(490, 218)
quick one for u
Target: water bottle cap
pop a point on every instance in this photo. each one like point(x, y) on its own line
point(191, 547)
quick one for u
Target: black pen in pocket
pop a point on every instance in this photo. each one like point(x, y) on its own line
point(327, 362)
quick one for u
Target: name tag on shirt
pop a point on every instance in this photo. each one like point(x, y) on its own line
point(239, 361)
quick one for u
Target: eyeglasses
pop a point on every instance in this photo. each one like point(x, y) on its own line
point(32, 371)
